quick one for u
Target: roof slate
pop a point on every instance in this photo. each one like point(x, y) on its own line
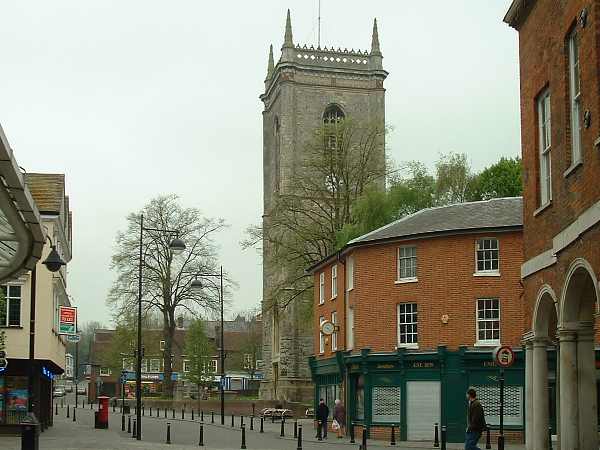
point(47, 189)
point(494, 213)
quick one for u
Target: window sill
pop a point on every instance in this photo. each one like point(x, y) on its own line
point(487, 343)
point(573, 167)
point(16, 327)
point(333, 298)
point(321, 302)
point(542, 208)
point(409, 346)
point(486, 274)
point(351, 289)
point(406, 280)
point(597, 142)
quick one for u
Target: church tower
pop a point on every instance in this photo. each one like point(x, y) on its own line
point(306, 87)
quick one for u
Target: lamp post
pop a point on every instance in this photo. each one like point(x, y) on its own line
point(197, 286)
point(176, 246)
point(53, 263)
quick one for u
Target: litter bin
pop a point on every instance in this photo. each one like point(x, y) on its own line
point(101, 416)
point(30, 432)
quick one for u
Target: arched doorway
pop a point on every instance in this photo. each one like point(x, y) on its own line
point(578, 401)
point(539, 397)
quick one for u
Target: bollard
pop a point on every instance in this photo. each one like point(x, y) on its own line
point(364, 439)
point(501, 442)
point(123, 422)
point(201, 438)
point(202, 415)
point(173, 412)
point(165, 412)
point(549, 438)
point(212, 417)
point(436, 437)
point(252, 422)
point(393, 440)
point(241, 421)
point(295, 429)
point(272, 418)
point(488, 440)
point(243, 437)
point(134, 429)
point(91, 405)
point(62, 403)
point(319, 430)
point(262, 419)
point(182, 413)
point(282, 432)
point(192, 414)
point(151, 411)
point(113, 407)
point(143, 410)
point(443, 438)
point(68, 412)
point(56, 410)
point(299, 447)
point(168, 432)
point(74, 409)
point(129, 424)
point(352, 433)
point(232, 421)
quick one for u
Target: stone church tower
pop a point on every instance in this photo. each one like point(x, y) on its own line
point(306, 87)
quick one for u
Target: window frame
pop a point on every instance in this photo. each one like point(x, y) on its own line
point(162, 345)
point(399, 259)
point(334, 343)
point(414, 312)
point(574, 63)
point(105, 372)
point(214, 365)
point(350, 328)
point(151, 367)
point(349, 273)
point(334, 292)
point(544, 109)
point(185, 366)
point(486, 272)
point(10, 301)
point(488, 342)
point(321, 288)
point(321, 335)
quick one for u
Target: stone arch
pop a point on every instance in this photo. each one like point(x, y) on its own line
point(333, 114)
point(545, 313)
point(580, 294)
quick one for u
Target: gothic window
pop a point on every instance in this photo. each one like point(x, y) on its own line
point(332, 116)
point(277, 154)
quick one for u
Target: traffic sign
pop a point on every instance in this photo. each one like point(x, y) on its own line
point(73, 338)
point(3, 364)
point(504, 356)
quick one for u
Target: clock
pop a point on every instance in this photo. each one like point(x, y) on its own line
point(327, 328)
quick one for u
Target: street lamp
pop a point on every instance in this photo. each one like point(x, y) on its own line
point(53, 263)
point(197, 286)
point(176, 246)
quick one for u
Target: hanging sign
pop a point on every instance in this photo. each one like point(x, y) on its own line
point(67, 320)
point(504, 356)
point(75, 338)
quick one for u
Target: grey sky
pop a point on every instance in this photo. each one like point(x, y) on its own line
point(135, 98)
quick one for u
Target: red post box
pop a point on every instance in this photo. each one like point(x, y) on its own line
point(101, 416)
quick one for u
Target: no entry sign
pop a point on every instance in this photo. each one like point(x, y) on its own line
point(504, 356)
point(67, 320)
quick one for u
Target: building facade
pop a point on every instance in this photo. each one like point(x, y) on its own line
point(560, 134)
point(48, 192)
point(417, 308)
point(306, 87)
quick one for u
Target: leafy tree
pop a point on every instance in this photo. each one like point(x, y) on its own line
point(502, 179)
point(166, 276)
point(454, 178)
point(199, 351)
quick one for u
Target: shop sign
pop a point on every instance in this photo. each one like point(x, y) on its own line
point(47, 373)
point(423, 364)
point(385, 366)
point(67, 320)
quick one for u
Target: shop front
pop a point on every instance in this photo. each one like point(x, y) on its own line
point(152, 384)
point(413, 391)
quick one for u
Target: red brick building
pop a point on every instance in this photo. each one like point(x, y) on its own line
point(417, 308)
point(559, 45)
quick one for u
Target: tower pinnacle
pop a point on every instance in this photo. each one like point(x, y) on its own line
point(375, 50)
point(271, 65)
point(288, 41)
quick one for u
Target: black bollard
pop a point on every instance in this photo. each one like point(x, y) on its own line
point(129, 424)
point(436, 437)
point(241, 421)
point(182, 413)
point(68, 412)
point(201, 438)
point(299, 447)
point(56, 410)
point(62, 403)
point(352, 433)
point(202, 415)
point(143, 410)
point(173, 412)
point(319, 431)
point(282, 432)
point(295, 429)
point(393, 440)
point(192, 414)
point(168, 432)
point(443, 438)
point(488, 440)
point(74, 409)
point(232, 421)
point(252, 422)
point(549, 438)
point(243, 437)
point(212, 417)
point(272, 418)
point(91, 405)
point(134, 429)
point(165, 412)
point(151, 411)
point(501, 442)
point(122, 422)
point(262, 420)
point(364, 439)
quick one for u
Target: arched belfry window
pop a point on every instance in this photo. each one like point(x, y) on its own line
point(332, 115)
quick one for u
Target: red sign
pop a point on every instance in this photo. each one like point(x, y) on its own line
point(67, 320)
point(504, 356)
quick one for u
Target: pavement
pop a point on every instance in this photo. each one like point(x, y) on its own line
point(69, 435)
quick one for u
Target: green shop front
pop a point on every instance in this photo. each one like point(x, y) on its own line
point(414, 390)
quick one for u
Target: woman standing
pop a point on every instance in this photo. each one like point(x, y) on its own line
point(339, 415)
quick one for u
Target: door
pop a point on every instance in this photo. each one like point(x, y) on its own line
point(422, 409)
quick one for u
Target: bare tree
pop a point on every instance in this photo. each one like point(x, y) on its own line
point(166, 276)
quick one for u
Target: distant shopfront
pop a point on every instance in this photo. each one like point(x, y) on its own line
point(152, 383)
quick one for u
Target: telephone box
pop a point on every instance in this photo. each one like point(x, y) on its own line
point(101, 416)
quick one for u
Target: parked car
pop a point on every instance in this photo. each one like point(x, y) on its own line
point(58, 392)
point(81, 390)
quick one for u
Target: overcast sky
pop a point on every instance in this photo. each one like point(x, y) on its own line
point(132, 98)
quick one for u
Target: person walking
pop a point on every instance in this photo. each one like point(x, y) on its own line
point(475, 421)
point(339, 416)
point(322, 416)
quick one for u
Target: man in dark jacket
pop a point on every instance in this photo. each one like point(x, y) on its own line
point(476, 421)
point(322, 414)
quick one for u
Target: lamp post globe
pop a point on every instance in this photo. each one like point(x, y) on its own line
point(54, 262)
point(177, 246)
point(196, 286)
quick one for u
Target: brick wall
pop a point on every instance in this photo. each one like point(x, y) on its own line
point(446, 285)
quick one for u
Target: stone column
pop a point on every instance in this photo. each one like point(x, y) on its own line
point(540, 395)
point(569, 414)
point(586, 365)
point(529, 411)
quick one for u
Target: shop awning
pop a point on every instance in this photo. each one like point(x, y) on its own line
point(21, 234)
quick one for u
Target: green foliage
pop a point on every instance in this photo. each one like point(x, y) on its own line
point(502, 179)
point(199, 351)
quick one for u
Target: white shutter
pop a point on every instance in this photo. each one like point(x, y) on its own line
point(422, 409)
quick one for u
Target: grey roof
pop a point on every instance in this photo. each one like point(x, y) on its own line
point(495, 213)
